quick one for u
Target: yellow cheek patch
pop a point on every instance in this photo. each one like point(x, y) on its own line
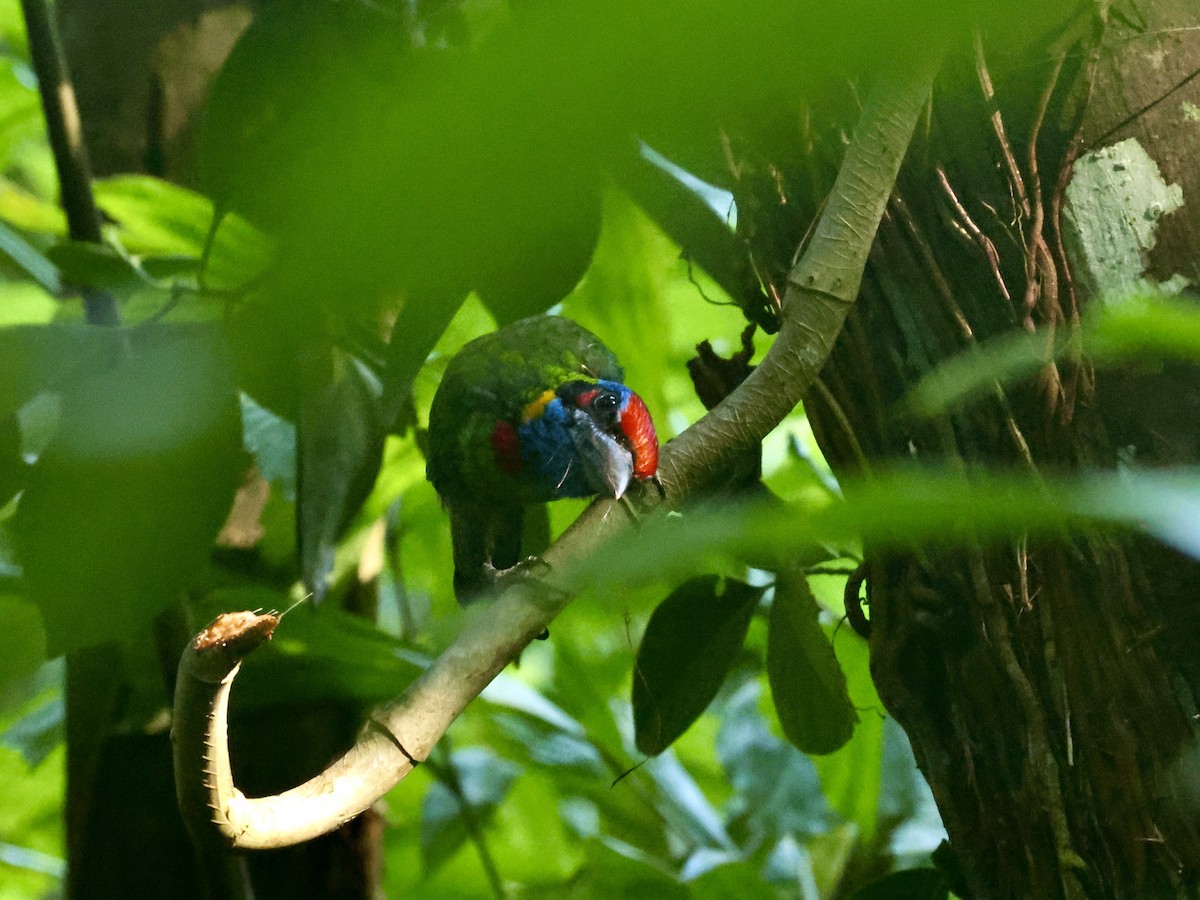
point(537, 407)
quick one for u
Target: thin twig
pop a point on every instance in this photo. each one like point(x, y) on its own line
point(1016, 180)
point(975, 232)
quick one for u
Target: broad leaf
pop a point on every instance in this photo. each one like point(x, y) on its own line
point(733, 879)
point(807, 684)
point(96, 266)
point(22, 641)
point(1119, 330)
point(164, 220)
point(12, 465)
point(691, 642)
point(38, 357)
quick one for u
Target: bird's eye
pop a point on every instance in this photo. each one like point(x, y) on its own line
point(605, 403)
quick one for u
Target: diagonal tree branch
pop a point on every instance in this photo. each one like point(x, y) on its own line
point(70, 153)
point(821, 290)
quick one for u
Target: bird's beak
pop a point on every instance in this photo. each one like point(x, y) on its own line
point(607, 465)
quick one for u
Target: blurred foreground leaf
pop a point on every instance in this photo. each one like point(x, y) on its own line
point(902, 510)
point(1135, 328)
point(123, 505)
point(160, 219)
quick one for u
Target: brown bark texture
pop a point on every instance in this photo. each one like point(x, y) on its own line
point(1048, 687)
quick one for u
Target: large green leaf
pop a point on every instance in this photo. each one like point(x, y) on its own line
point(122, 507)
point(852, 777)
point(22, 641)
point(160, 219)
point(807, 684)
point(12, 464)
point(691, 642)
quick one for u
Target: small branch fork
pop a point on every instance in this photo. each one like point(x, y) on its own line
point(822, 288)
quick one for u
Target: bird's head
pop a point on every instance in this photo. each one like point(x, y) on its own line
point(583, 438)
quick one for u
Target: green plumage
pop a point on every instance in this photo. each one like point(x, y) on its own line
point(492, 379)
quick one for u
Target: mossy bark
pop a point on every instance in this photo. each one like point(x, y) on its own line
point(1048, 688)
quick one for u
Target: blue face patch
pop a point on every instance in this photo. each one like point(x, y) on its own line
point(576, 446)
point(549, 454)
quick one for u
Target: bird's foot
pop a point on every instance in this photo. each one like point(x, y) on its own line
point(502, 579)
point(525, 568)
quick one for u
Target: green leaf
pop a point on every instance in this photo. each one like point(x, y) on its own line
point(851, 778)
point(12, 465)
point(684, 808)
point(122, 507)
point(529, 840)
point(272, 440)
point(901, 509)
point(22, 640)
point(1118, 329)
point(38, 358)
point(616, 869)
point(911, 884)
point(28, 212)
point(96, 266)
point(561, 237)
point(691, 642)
point(807, 684)
point(161, 219)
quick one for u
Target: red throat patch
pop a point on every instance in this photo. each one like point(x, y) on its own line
point(506, 444)
point(636, 423)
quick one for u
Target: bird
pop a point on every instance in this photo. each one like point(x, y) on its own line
point(532, 412)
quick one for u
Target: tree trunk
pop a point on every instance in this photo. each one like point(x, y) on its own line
point(1048, 687)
